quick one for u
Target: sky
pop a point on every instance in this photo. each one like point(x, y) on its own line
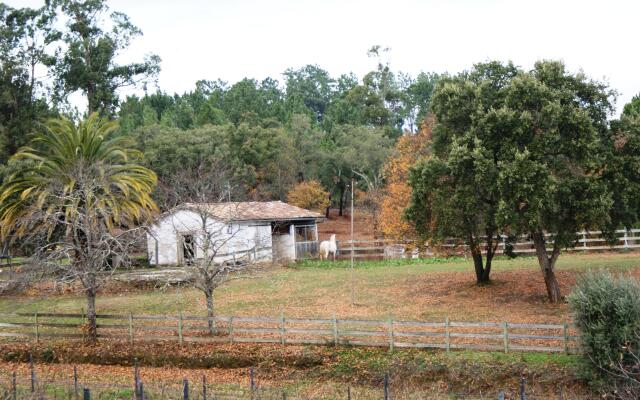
point(233, 39)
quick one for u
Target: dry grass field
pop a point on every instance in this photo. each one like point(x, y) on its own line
point(425, 290)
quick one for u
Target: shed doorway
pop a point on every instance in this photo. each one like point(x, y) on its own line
point(306, 240)
point(186, 250)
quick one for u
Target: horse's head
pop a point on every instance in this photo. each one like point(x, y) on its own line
point(332, 238)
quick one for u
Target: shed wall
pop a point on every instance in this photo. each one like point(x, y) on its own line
point(163, 238)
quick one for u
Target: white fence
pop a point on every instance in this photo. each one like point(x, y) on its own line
point(587, 241)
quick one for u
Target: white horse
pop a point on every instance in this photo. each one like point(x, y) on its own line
point(328, 247)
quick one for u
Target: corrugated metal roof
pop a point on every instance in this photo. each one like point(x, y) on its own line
point(253, 211)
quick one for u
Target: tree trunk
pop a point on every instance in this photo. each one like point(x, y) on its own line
point(92, 331)
point(328, 207)
point(487, 267)
point(210, 312)
point(547, 265)
point(482, 273)
point(342, 191)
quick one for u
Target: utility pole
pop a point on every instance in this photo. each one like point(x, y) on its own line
point(352, 244)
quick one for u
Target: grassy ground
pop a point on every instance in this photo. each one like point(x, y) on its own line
point(408, 289)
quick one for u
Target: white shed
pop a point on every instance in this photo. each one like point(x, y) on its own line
point(258, 231)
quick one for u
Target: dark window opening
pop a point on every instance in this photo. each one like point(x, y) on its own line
point(188, 249)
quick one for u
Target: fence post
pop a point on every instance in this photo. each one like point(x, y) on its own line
point(282, 330)
point(252, 384)
point(180, 327)
point(14, 386)
point(130, 328)
point(75, 381)
point(391, 344)
point(231, 329)
point(33, 374)
point(86, 394)
point(565, 335)
point(335, 330)
point(83, 321)
point(386, 386)
point(204, 387)
point(185, 389)
point(584, 239)
point(506, 337)
point(35, 324)
point(626, 238)
point(136, 379)
point(447, 334)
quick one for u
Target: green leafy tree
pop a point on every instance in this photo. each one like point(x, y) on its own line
point(418, 93)
point(309, 91)
point(632, 109)
point(353, 152)
point(552, 161)
point(88, 62)
point(307, 139)
point(85, 186)
point(523, 152)
point(622, 169)
point(455, 193)
point(251, 101)
point(24, 36)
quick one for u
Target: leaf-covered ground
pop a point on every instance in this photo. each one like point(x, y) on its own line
point(309, 372)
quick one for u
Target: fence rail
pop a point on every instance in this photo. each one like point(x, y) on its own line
point(447, 335)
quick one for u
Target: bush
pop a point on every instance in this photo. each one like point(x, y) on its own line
point(310, 195)
point(607, 312)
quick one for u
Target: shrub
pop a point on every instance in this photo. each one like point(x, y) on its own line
point(310, 195)
point(607, 313)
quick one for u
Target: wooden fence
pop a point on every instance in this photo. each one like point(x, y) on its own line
point(447, 335)
point(587, 241)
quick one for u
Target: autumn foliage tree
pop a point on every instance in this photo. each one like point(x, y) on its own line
point(310, 195)
point(397, 193)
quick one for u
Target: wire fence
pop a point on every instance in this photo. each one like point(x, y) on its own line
point(66, 385)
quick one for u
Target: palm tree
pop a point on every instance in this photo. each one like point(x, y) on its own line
point(84, 186)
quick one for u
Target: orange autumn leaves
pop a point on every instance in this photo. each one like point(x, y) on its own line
point(397, 193)
point(310, 195)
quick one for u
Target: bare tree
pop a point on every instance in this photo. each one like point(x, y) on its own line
point(91, 261)
point(217, 245)
point(82, 246)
